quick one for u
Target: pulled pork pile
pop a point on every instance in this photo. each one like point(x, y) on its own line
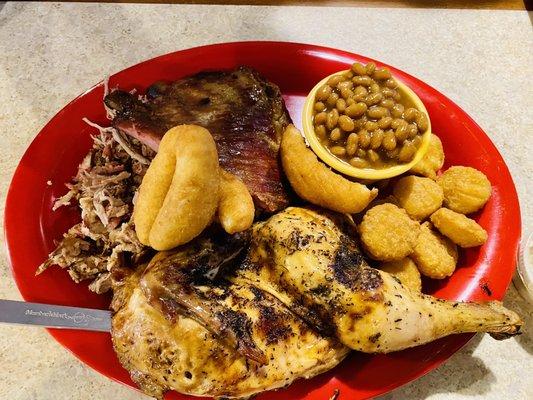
point(104, 189)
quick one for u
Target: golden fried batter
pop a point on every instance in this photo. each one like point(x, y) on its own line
point(462, 230)
point(315, 182)
point(420, 197)
point(387, 232)
point(434, 255)
point(179, 194)
point(466, 189)
point(432, 161)
point(236, 208)
point(406, 271)
point(376, 202)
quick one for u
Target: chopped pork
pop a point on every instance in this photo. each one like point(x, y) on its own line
point(104, 189)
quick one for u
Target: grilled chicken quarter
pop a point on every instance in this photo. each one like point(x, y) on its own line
point(230, 316)
point(306, 259)
point(175, 329)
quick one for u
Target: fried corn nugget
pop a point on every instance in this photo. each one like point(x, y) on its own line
point(389, 199)
point(434, 255)
point(235, 208)
point(420, 197)
point(315, 182)
point(406, 271)
point(462, 230)
point(432, 161)
point(466, 189)
point(387, 233)
point(179, 194)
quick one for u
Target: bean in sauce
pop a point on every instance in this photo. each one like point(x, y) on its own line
point(361, 117)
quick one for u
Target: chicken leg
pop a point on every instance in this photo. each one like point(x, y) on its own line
point(306, 260)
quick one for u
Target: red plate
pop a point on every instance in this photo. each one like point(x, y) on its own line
point(31, 227)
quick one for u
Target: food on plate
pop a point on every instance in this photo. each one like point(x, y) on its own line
point(235, 208)
point(315, 182)
point(432, 161)
point(236, 308)
point(406, 271)
point(460, 229)
point(244, 112)
point(207, 353)
point(419, 197)
point(435, 255)
point(103, 189)
point(179, 193)
point(361, 117)
point(466, 190)
point(308, 260)
point(387, 232)
point(388, 199)
point(205, 321)
point(110, 174)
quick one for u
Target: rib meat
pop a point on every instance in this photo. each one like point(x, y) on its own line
point(244, 112)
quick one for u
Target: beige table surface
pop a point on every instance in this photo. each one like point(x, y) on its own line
point(49, 53)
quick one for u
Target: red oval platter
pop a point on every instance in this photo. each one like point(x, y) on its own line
point(31, 227)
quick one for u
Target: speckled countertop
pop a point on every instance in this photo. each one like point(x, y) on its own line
point(49, 53)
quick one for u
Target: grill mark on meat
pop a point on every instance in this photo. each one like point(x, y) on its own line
point(321, 290)
point(305, 306)
point(240, 325)
point(348, 271)
point(245, 114)
point(315, 316)
point(182, 284)
point(272, 325)
point(210, 255)
point(374, 338)
point(259, 295)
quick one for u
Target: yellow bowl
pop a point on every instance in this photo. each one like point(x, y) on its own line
point(342, 166)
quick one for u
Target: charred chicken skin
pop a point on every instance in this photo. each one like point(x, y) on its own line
point(235, 315)
point(175, 329)
point(304, 258)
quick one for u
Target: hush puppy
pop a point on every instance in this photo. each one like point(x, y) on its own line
point(179, 193)
point(466, 189)
point(420, 197)
point(406, 271)
point(315, 182)
point(236, 209)
point(387, 233)
point(432, 160)
point(434, 255)
point(462, 230)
